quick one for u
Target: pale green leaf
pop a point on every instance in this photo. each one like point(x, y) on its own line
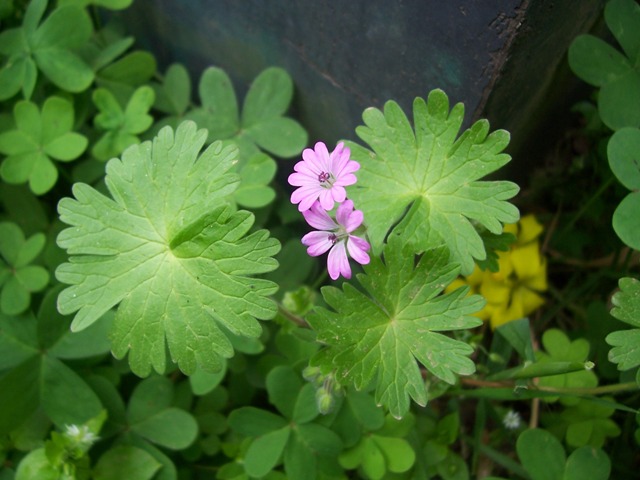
point(174, 95)
point(383, 335)
point(169, 250)
point(429, 181)
point(40, 136)
point(626, 343)
point(125, 461)
point(36, 465)
point(269, 96)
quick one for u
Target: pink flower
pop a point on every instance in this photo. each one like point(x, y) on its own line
point(336, 237)
point(322, 176)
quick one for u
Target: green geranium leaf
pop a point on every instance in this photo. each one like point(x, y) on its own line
point(616, 73)
point(125, 461)
point(382, 336)
point(626, 343)
point(428, 181)
point(122, 126)
point(49, 46)
point(261, 123)
point(18, 277)
point(170, 251)
point(40, 138)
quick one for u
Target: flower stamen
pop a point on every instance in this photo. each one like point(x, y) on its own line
point(324, 177)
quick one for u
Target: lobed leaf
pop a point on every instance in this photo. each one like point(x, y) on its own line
point(426, 184)
point(381, 335)
point(626, 343)
point(170, 251)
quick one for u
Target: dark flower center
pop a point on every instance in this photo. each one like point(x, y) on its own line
point(324, 177)
point(333, 238)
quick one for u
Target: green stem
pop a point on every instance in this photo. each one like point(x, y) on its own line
point(292, 316)
point(604, 389)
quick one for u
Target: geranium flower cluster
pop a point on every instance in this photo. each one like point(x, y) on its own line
point(321, 177)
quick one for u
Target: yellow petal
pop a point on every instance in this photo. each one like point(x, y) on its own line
point(539, 281)
point(506, 314)
point(526, 260)
point(528, 300)
point(530, 229)
point(495, 292)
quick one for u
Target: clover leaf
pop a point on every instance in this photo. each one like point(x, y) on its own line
point(109, 4)
point(122, 126)
point(35, 373)
point(626, 343)
point(560, 349)
point(544, 458)
point(255, 175)
point(18, 278)
point(151, 415)
point(380, 452)
point(428, 180)
point(616, 73)
point(169, 249)
point(173, 95)
point(306, 448)
point(40, 136)
point(381, 335)
point(624, 160)
point(48, 47)
point(261, 124)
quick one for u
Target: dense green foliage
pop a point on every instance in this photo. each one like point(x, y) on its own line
point(160, 319)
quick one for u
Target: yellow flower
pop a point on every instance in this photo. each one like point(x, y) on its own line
point(514, 290)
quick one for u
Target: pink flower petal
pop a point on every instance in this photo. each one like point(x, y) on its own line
point(306, 194)
point(322, 156)
point(345, 180)
point(338, 263)
point(326, 199)
point(358, 248)
point(318, 218)
point(318, 243)
point(300, 179)
point(343, 212)
point(338, 193)
point(353, 221)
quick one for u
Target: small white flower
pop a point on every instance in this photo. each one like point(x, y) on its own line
point(81, 435)
point(512, 420)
